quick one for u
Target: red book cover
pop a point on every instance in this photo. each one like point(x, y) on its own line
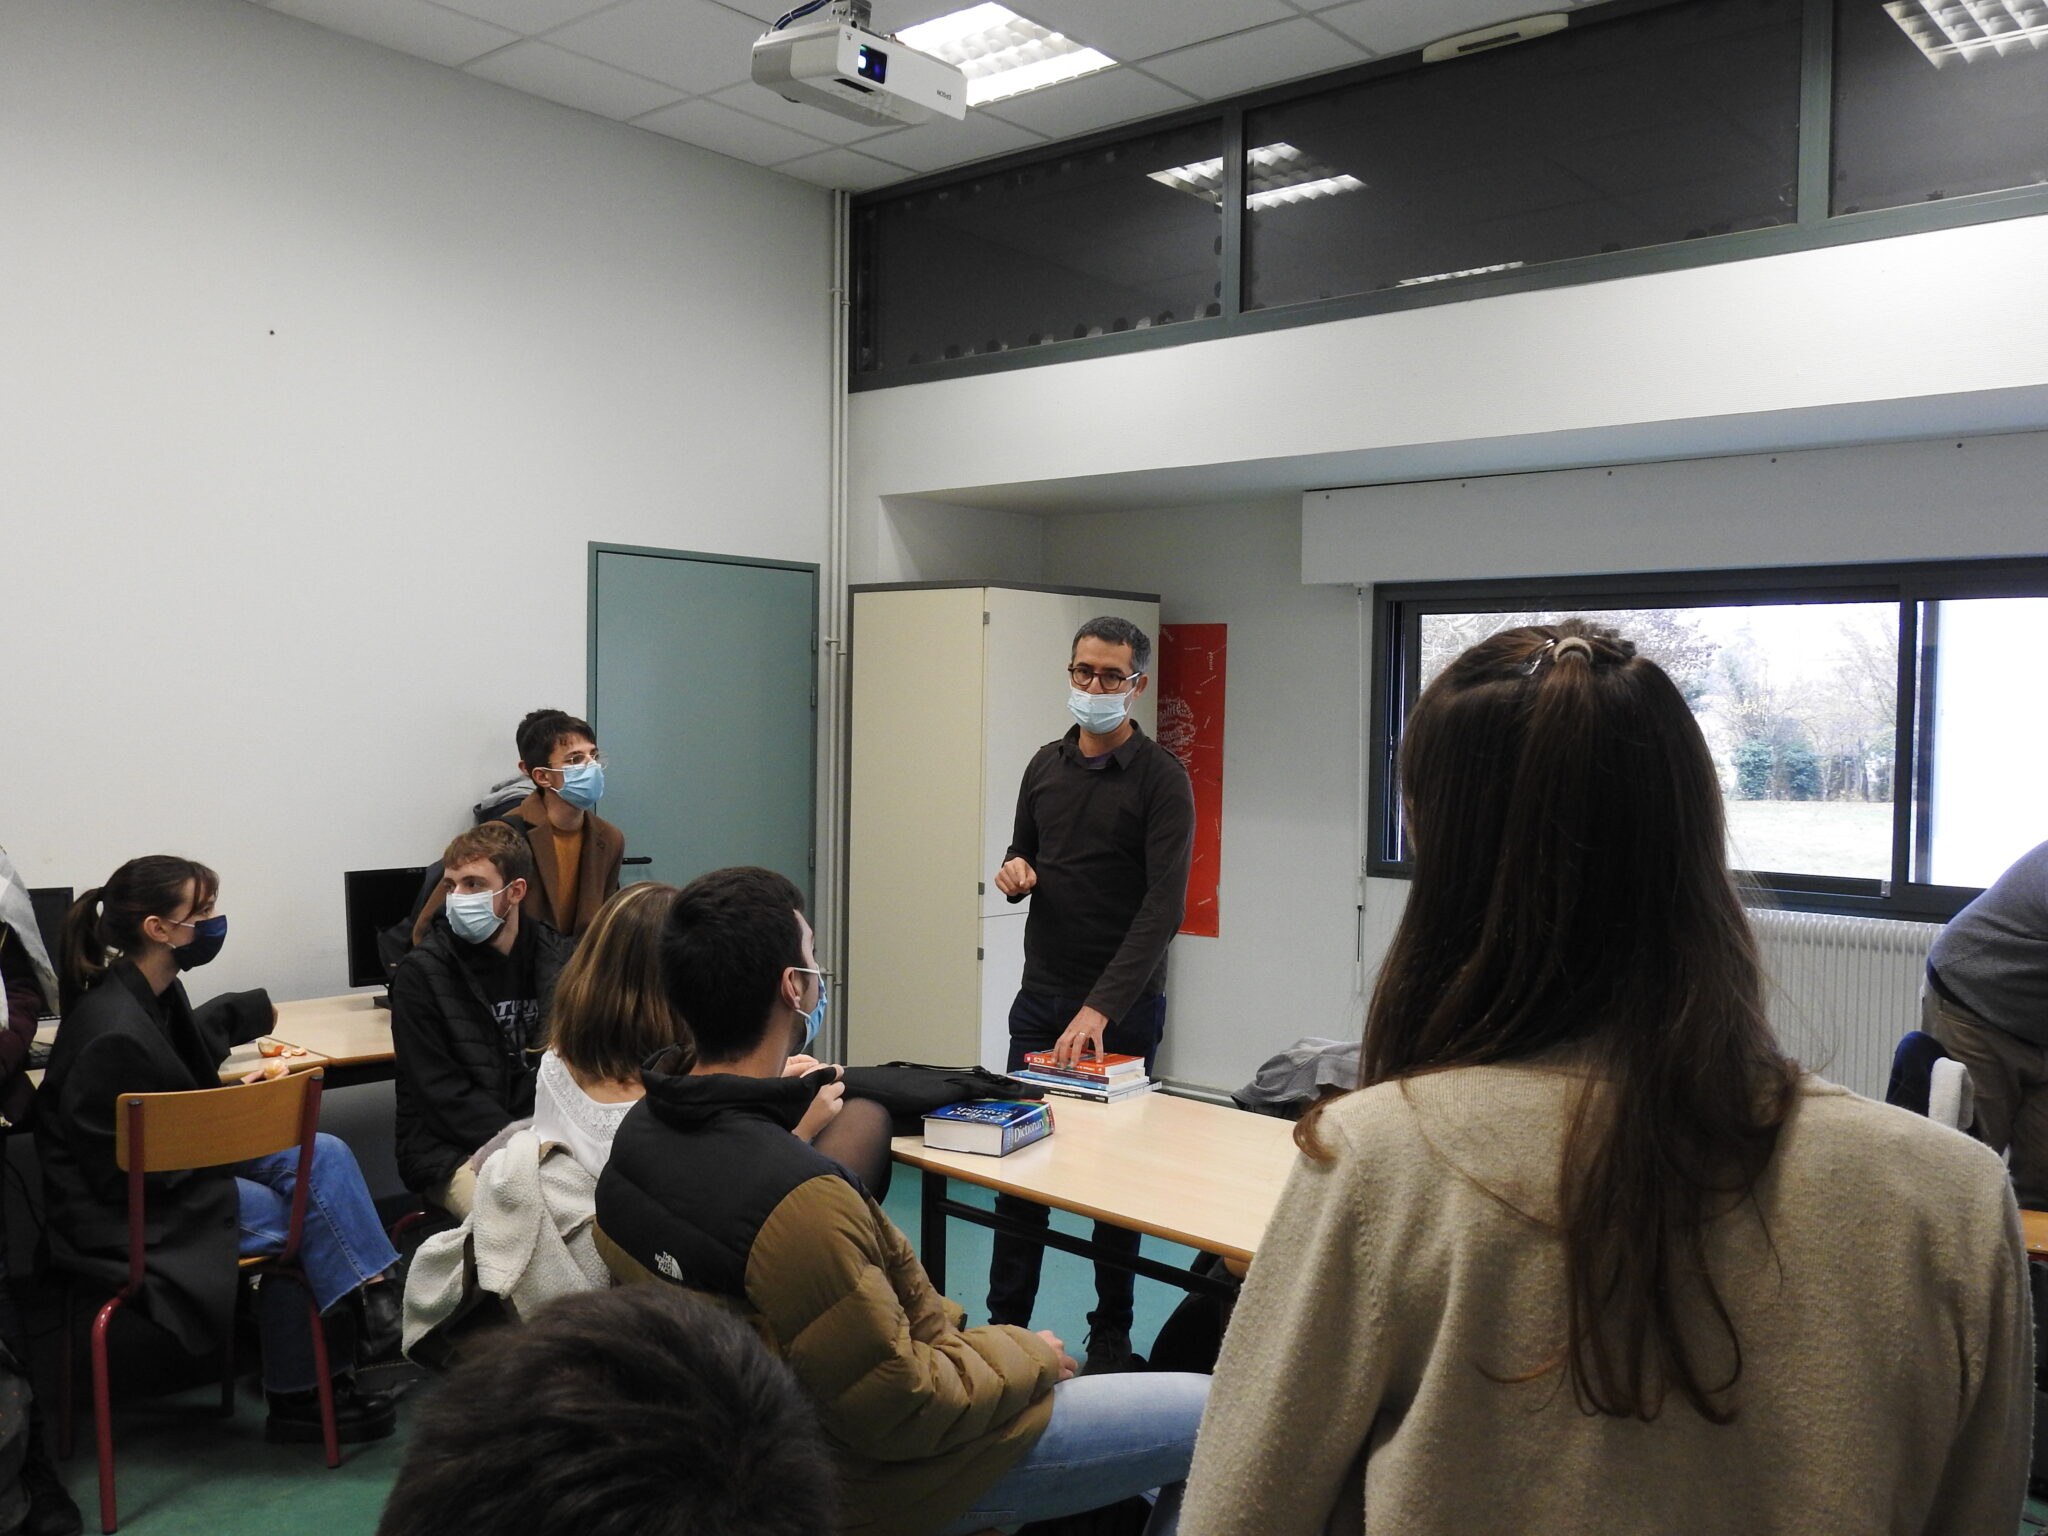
point(1103, 1067)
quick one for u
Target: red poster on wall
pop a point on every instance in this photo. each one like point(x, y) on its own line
point(1191, 668)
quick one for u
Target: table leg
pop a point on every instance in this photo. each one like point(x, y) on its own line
point(931, 1248)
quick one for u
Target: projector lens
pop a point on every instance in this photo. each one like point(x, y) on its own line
point(872, 64)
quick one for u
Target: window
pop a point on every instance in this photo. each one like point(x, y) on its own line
point(1092, 243)
point(1935, 99)
point(1666, 125)
point(1796, 680)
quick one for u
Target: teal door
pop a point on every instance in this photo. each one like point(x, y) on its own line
point(703, 692)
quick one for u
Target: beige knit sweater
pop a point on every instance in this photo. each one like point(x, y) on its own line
point(1886, 1343)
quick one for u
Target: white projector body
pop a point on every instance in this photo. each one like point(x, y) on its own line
point(858, 75)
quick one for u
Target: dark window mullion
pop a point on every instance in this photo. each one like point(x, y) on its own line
point(1925, 654)
point(1817, 114)
point(1232, 252)
point(1906, 816)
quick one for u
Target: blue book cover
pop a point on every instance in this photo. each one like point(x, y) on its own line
point(993, 1127)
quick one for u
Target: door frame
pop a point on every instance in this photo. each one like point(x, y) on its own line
point(815, 571)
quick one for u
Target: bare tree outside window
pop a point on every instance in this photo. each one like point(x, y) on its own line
point(1797, 701)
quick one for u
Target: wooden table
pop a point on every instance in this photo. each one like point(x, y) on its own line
point(346, 1035)
point(350, 1035)
point(2034, 1228)
point(1200, 1174)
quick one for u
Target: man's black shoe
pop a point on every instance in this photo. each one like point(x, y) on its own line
point(50, 1510)
point(1109, 1351)
point(358, 1416)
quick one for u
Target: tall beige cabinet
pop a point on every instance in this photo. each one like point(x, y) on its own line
point(954, 687)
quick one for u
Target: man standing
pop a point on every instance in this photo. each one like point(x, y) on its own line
point(1105, 830)
point(1986, 1001)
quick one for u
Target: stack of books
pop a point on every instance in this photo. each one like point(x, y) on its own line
point(993, 1127)
point(1105, 1079)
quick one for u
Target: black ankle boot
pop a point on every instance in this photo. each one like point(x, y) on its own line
point(50, 1509)
point(358, 1416)
point(380, 1311)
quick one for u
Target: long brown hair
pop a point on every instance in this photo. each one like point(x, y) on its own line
point(110, 917)
point(610, 1010)
point(1571, 885)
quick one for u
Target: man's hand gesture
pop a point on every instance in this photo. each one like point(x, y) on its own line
point(1016, 878)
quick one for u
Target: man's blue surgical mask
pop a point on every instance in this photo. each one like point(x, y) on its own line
point(582, 785)
point(1099, 714)
point(474, 915)
point(815, 1019)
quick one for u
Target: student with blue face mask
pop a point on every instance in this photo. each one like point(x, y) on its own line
point(129, 1027)
point(576, 852)
point(469, 1009)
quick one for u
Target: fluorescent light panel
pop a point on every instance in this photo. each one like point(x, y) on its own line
point(1951, 30)
point(1275, 176)
point(1001, 53)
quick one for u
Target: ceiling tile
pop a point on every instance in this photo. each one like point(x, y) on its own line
point(759, 101)
point(691, 44)
point(1094, 101)
point(710, 126)
point(768, 12)
point(1396, 26)
point(1288, 50)
point(525, 16)
point(845, 168)
point(934, 146)
point(541, 70)
point(410, 26)
point(1130, 30)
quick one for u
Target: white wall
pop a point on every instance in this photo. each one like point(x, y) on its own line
point(1288, 895)
point(320, 366)
point(1947, 499)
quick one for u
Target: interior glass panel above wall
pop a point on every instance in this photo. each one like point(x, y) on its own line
point(1665, 125)
point(1937, 99)
point(1085, 244)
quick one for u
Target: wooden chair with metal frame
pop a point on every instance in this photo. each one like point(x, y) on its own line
point(201, 1128)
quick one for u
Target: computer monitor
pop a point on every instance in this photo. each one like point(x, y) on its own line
point(375, 900)
point(50, 902)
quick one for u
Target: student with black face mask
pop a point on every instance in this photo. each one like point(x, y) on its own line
point(128, 1027)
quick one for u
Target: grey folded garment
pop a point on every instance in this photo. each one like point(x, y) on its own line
point(1301, 1074)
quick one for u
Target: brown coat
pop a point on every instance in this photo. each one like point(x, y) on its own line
point(604, 848)
point(707, 1189)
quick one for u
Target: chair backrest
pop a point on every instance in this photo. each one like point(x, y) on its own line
point(207, 1127)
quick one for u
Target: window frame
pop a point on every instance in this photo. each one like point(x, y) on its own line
point(1398, 608)
point(1814, 227)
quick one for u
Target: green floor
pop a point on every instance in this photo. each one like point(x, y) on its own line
point(186, 1472)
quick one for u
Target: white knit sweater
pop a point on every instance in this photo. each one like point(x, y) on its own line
point(1887, 1354)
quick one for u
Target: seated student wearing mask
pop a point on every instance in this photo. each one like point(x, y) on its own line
point(468, 1015)
point(576, 853)
point(937, 1429)
point(130, 1028)
point(610, 1013)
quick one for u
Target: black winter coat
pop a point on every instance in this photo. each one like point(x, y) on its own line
point(120, 1038)
point(458, 1085)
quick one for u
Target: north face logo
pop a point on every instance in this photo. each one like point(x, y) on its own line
point(666, 1263)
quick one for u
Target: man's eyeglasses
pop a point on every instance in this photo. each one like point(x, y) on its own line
point(578, 758)
point(1110, 681)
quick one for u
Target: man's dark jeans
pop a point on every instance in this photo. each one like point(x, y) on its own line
point(1036, 1024)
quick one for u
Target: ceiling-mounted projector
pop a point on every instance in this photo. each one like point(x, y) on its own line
point(836, 63)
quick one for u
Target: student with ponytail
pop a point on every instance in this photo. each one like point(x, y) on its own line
point(1586, 1251)
point(128, 1027)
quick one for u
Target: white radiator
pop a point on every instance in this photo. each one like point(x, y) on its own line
point(1843, 989)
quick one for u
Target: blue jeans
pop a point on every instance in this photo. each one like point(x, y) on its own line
point(1110, 1437)
point(1036, 1023)
point(343, 1245)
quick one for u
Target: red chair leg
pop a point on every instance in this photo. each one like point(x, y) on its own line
point(323, 1383)
point(103, 1413)
point(67, 1371)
